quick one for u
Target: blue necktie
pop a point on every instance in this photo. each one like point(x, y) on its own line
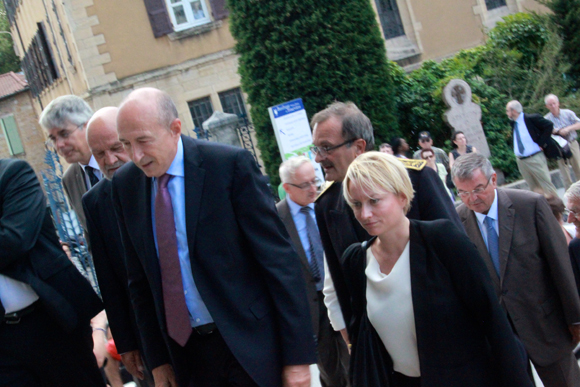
point(492, 242)
point(521, 147)
point(316, 251)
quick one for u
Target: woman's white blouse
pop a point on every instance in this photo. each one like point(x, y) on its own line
point(390, 310)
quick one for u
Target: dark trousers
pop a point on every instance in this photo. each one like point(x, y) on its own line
point(206, 361)
point(37, 352)
point(333, 356)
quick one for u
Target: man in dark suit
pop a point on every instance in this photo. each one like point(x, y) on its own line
point(531, 133)
point(65, 120)
point(45, 303)
point(573, 206)
point(208, 258)
point(525, 253)
point(297, 213)
point(106, 246)
point(341, 132)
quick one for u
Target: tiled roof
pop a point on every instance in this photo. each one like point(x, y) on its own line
point(11, 83)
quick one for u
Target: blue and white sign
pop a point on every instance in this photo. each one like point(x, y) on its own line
point(292, 131)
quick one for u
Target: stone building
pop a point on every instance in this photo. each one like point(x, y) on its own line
point(21, 137)
point(103, 49)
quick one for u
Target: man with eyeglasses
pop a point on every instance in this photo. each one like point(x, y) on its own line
point(524, 250)
point(341, 132)
point(426, 142)
point(65, 120)
point(572, 197)
point(297, 213)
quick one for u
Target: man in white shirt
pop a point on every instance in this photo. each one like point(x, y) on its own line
point(566, 123)
point(65, 120)
point(297, 213)
point(531, 133)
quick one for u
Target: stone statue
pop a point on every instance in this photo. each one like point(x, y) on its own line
point(465, 115)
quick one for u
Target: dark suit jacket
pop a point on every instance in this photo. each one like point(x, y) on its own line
point(241, 258)
point(339, 228)
point(75, 186)
point(286, 216)
point(536, 284)
point(574, 250)
point(463, 335)
point(540, 130)
point(107, 251)
point(31, 253)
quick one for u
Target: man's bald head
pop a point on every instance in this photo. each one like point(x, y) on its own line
point(149, 129)
point(104, 141)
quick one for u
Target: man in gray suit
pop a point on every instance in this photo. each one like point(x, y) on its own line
point(297, 213)
point(65, 120)
point(525, 252)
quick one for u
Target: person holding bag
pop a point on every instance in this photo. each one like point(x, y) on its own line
point(424, 310)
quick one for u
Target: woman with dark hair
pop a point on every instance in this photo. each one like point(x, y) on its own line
point(400, 147)
point(459, 142)
point(424, 309)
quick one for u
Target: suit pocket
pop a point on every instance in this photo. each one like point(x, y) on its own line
point(260, 307)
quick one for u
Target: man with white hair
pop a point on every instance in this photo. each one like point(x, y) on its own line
point(297, 213)
point(572, 197)
point(105, 240)
point(566, 123)
point(65, 120)
point(531, 133)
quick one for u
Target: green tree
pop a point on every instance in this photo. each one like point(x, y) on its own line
point(9, 61)
point(320, 51)
point(566, 15)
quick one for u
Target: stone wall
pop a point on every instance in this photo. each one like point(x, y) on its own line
point(20, 106)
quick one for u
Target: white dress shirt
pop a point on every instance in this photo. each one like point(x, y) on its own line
point(15, 295)
point(530, 147)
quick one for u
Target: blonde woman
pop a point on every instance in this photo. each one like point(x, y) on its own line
point(424, 310)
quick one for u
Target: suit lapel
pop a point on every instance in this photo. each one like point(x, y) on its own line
point(288, 221)
point(193, 181)
point(506, 215)
point(472, 229)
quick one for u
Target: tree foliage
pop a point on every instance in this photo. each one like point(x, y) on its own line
point(8, 59)
point(566, 15)
point(523, 59)
point(320, 51)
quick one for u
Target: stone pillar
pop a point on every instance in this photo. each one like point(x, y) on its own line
point(222, 128)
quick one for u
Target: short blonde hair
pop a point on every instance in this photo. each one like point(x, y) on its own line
point(378, 171)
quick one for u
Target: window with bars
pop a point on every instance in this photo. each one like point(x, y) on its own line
point(390, 18)
point(233, 102)
point(38, 63)
point(492, 4)
point(187, 13)
point(200, 109)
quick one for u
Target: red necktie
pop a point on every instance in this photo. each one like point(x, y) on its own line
point(176, 313)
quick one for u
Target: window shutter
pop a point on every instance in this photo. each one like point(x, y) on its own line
point(158, 17)
point(12, 136)
point(218, 9)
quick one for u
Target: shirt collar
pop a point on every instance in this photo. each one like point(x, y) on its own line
point(520, 119)
point(176, 168)
point(492, 213)
point(92, 163)
point(294, 207)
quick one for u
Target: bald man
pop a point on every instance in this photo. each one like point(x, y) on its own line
point(105, 240)
point(208, 259)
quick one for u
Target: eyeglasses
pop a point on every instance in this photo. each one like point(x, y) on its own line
point(477, 191)
point(575, 213)
point(326, 150)
point(63, 134)
point(305, 186)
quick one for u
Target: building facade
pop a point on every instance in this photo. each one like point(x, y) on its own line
point(101, 50)
point(20, 135)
